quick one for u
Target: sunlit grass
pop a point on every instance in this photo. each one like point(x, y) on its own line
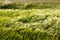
point(31, 24)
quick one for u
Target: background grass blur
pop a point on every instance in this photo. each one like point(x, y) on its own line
point(30, 5)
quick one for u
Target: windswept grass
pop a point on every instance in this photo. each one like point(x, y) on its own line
point(33, 24)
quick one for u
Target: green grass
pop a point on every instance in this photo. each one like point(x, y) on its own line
point(30, 6)
point(30, 24)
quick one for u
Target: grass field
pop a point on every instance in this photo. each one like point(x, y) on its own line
point(30, 24)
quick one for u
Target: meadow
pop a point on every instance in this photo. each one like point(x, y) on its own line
point(40, 22)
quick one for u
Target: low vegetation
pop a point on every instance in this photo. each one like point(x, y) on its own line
point(30, 6)
point(30, 24)
point(29, 21)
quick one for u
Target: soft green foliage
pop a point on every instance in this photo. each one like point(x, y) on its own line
point(32, 24)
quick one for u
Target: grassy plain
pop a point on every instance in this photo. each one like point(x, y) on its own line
point(30, 24)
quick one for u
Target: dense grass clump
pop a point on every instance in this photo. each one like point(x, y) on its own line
point(33, 24)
